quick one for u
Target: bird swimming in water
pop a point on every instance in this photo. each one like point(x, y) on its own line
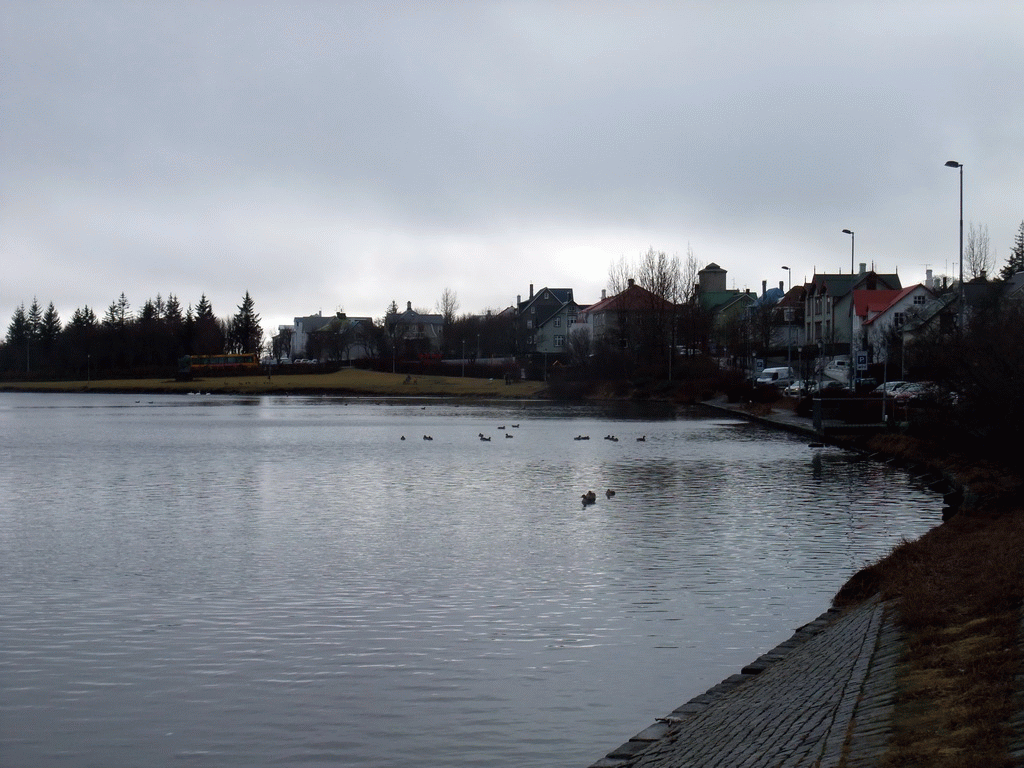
point(589, 498)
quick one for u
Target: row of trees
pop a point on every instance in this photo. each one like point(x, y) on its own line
point(151, 340)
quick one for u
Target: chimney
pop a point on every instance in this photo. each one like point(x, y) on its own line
point(928, 278)
point(782, 286)
point(519, 299)
point(408, 306)
point(863, 267)
point(629, 283)
point(604, 294)
point(764, 287)
point(531, 290)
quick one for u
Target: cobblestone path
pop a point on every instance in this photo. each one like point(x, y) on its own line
point(820, 700)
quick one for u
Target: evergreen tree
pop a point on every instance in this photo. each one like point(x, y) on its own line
point(149, 314)
point(18, 331)
point(50, 328)
point(117, 313)
point(84, 318)
point(1015, 262)
point(245, 333)
point(77, 340)
point(35, 320)
point(208, 338)
point(172, 311)
point(204, 309)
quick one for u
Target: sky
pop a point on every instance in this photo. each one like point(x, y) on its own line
point(336, 156)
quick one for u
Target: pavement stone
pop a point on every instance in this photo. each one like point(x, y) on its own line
point(822, 699)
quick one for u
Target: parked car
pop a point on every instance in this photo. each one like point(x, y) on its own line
point(828, 385)
point(780, 377)
point(796, 388)
point(918, 392)
point(889, 388)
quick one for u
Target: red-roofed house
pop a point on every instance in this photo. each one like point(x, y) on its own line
point(879, 312)
point(634, 319)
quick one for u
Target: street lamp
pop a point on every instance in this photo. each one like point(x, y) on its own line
point(788, 315)
point(853, 240)
point(955, 164)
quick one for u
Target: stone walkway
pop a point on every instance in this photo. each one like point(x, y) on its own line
point(822, 699)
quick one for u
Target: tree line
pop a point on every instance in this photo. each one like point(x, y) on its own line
point(149, 341)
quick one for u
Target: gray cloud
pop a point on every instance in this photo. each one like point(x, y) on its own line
point(324, 155)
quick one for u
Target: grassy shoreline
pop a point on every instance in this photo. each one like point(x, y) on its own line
point(350, 381)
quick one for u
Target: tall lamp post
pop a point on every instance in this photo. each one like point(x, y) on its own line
point(789, 323)
point(853, 241)
point(955, 164)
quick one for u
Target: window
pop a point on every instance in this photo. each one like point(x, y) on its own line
point(529, 323)
point(559, 341)
point(919, 300)
point(898, 318)
point(558, 322)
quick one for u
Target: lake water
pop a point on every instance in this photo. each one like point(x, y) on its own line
point(216, 581)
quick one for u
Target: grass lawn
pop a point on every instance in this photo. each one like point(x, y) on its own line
point(349, 381)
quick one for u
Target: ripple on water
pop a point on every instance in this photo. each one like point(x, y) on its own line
point(243, 581)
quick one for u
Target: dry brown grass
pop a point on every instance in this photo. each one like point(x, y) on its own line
point(348, 381)
point(959, 590)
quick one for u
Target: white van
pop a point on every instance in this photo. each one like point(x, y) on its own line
point(780, 377)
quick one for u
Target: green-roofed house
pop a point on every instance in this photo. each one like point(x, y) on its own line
point(727, 308)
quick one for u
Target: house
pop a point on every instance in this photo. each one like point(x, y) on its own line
point(543, 321)
point(342, 338)
point(415, 333)
point(634, 319)
point(880, 314)
point(942, 315)
point(727, 308)
point(291, 340)
point(789, 318)
point(828, 306)
point(1013, 288)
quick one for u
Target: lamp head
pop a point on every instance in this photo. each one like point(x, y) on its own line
point(954, 164)
point(847, 231)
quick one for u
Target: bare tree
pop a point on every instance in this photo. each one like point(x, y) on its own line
point(978, 257)
point(580, 348)
point(619, 274)
point(689, 274)
point(660, 274)
point(647, 320)
point(447, 306)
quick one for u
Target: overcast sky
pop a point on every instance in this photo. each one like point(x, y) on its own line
point(338, 155)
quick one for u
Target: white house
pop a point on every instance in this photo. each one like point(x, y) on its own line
point(877, 313)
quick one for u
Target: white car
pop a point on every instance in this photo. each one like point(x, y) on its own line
point(780, 377)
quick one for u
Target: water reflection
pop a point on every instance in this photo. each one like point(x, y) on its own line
point(236, 581)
